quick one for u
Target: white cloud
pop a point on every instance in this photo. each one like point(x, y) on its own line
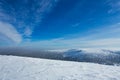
point(26, 23)
point(9, 31)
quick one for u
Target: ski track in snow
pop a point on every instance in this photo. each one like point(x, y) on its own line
point(21, 68)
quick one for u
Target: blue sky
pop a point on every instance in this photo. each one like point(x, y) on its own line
point(59, 24)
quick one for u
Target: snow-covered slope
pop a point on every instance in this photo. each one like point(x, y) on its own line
point(22, 68)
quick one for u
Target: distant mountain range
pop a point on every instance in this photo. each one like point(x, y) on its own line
point(101, 56)
point(108, 57)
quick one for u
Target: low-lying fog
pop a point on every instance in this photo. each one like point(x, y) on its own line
point(108, 57)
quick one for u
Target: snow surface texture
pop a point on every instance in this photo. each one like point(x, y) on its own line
point(22, 68)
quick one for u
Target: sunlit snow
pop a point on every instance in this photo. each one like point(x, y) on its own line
point(22, 68)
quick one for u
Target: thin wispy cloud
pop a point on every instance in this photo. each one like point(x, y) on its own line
point(76, 25)
point(10, 32)
point(25, 15)
point(28, 31)
point(114, 6)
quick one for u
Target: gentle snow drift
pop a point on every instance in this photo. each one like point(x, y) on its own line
point(21, 68)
